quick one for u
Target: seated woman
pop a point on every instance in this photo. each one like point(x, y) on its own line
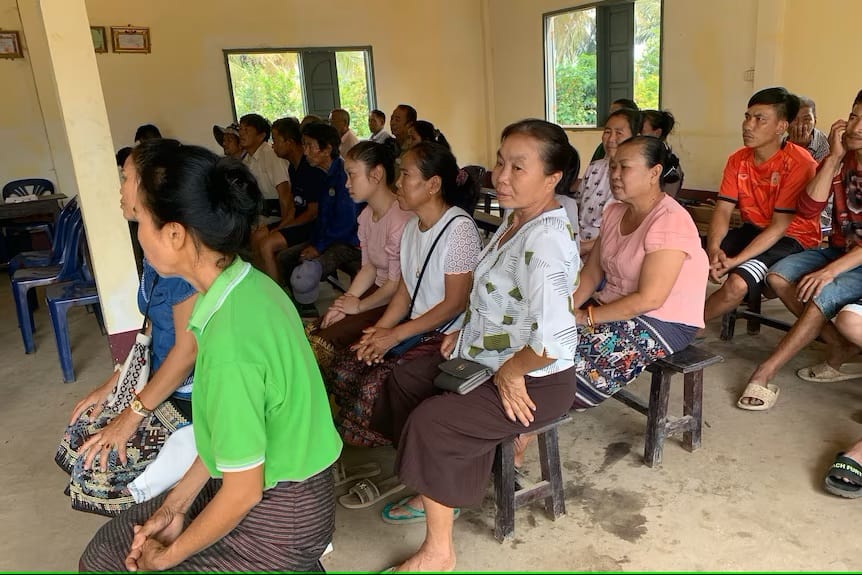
point(370, 178)
point(659, 124)
point(595, 189)
point(422, 131)
point(649, 254)
point(260, 495)
point(105, 450)
point(519, 324)
point(439, 249)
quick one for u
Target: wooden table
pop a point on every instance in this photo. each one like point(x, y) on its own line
point(47, 206)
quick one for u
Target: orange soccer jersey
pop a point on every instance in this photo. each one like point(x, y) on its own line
point(773, 186)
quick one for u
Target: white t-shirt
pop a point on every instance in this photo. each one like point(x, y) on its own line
point(348, 140)
point(268, 169)
point(456, 253)
point(380, 136)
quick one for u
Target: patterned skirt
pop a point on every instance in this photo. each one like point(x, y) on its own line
point(612, 355)
point(287, 531)
point(105, 492)
point(356, 386)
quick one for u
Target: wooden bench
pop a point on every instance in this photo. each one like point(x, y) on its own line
point(550, 488)
point(690, 362)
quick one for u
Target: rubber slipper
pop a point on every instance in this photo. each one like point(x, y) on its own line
point(344, 474)
point(825, 373)
point(767, 395)
point(844, 478)
point(367, 493)
point(413, 515)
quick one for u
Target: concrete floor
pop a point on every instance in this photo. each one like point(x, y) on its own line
point(749, 499)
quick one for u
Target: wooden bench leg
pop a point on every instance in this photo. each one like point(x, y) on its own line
point(504, 490)
point(656, 418)
point(693, 406)
point(549, 457)
point(728, 325)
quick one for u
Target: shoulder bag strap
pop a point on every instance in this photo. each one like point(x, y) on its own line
point(425, 265)
point(149, 301)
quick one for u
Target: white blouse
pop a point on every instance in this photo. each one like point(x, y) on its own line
point(522, 296)
point(456, 253)
point(592, 195)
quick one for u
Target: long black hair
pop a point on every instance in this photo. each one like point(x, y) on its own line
point(456, 186)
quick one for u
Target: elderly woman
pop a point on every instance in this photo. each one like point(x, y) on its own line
point(439, 250)
point(107, 447)
point(519, 324)
point(259, 496)
point(595, 189)
point(650, 256)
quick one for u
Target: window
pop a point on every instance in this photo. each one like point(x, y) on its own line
point(296, 82)
point(598, 54)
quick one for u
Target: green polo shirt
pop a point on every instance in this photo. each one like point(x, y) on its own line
point(259, 397)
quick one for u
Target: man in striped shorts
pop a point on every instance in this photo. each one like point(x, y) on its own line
point(764, 180)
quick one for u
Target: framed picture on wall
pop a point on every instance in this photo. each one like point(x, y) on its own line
point(100, 39)
point(10, 44)
point(131, 39)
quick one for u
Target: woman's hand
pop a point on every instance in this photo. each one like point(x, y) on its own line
point(447, 346)
point(332, 316)
point(512, 388)
point(375, 343)
point(348, 304)
point(95, 399)
point(150, 549)
point(115, 435)
point(581, 317)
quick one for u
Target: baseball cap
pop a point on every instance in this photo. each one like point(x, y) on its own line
point(219, 132)
point(305, 281)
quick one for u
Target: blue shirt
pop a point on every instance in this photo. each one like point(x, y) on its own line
point(336, 212)
point(168, 292)
point(307, 184)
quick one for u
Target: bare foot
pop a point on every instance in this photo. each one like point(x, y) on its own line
point(427, 560)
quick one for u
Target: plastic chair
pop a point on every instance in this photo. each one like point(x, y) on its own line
point(61, 297)
point(28, 187)
point(25, 279)
point(52, 257)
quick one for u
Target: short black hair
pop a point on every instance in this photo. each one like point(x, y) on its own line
point(806, 102)
point(324, 135)
point(626, 103)
point(858, 99)
point(379, 114)
point(785, 104)
point(147, 132)
point(288, 128)
point(259, 123)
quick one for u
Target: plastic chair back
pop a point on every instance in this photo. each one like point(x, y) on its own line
point(71, 266)
point(28, 187)
point(63, 218)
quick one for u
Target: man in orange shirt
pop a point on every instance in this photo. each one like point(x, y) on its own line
point(764, 180)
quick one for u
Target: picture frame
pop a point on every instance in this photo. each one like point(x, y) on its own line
point(100, 39)
point(130, 39)
point(10, 44)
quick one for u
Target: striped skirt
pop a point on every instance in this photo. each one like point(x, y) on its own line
point(287, 531)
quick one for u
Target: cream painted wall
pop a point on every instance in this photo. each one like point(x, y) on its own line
point(428, 54)
point(702, 75)
point(823, 69)
point(24, 149)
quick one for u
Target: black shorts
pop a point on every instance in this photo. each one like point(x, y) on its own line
point(753, 271)
point(271, 207)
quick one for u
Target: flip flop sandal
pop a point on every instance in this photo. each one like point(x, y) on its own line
point(413, 515)
point(366, 493)
point(825, 373)
point(344, 474)
point(767, 395)
point(844, 478)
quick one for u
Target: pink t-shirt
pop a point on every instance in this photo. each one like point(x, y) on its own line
point(380, 241)
point(668, 226)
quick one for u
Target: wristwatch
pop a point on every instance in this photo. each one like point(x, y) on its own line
point(139, 408)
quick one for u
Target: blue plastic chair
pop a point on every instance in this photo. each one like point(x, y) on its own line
point(61, 297)
point(25, 279)
point(52, 257)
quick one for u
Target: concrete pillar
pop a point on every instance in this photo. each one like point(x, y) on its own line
point(70, 89)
